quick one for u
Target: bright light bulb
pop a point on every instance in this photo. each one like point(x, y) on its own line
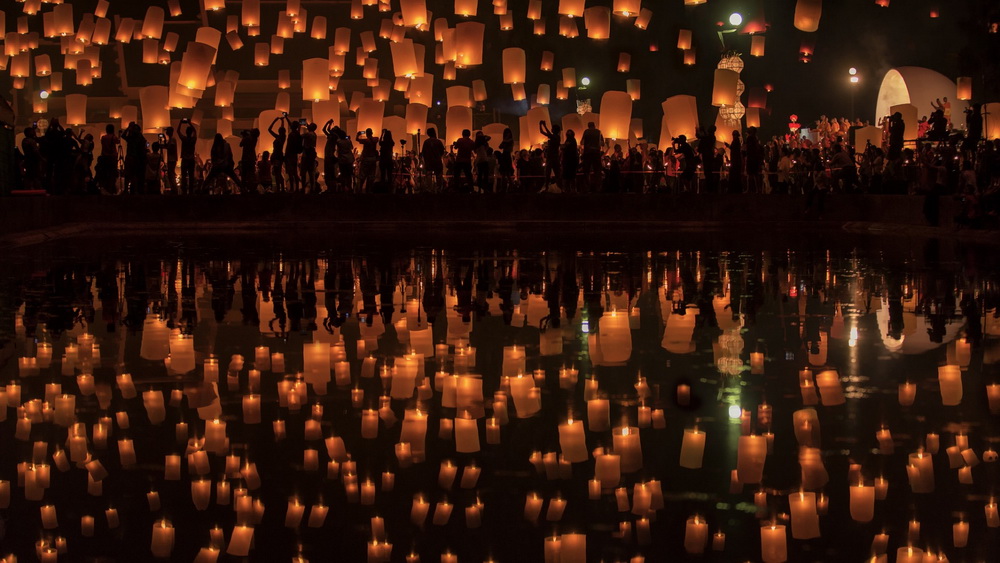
point(585, 81)
point(735, 19)
point(44, 94)
point(735, 411)
point(852, 71)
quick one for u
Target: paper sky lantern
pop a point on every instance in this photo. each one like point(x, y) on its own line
point(807, 15)
point(964, 88)
point(414, 12)
point(76, 109)
point(459, 96)
point(694, 2)
point(568, 27)
point(86, 29)
point(467, 8)
point(250, 13)
point(534, 9)
point(680, 114)
point(538, 27)
point(562, 92)
point(421, 89)
point(277, 45)
point(224, 93)
point(506, 22)
point(571, 8)
point(261, 54)
point(457, 119)
point(315, 80)
point(416, 118)
point(20, 65)
point(624, 62)
point(381, 90)
point(150, 51)
point(569, 77)
point(757, 46)
point(724, 87)
point(479, 90)
point(645, 15)
point(753, 117)
point(404, 59)
point(757, 97)
point(632, 87)
point(597, 20)
point(153, 101)
point(548, 60)
point(370, 115)
point(152, 24)
point(627, 8)
point(371, 68)
point(124, 32)
point(282, 102)
point(385, 29)
point(234, 40)
point(102, 32)
point(513, 65)
point(543, 96)
point(196, 64)
point(319, 28)
point(342, 40)
point(62, 15)
point(84, 74)
point(517, 92)
point(684, 39)
point(43, 66)
point(469, 44)
point(616, 114)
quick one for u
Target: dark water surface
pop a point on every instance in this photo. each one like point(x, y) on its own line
point(878, 314)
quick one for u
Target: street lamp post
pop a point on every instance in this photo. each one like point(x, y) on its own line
point(853, 72)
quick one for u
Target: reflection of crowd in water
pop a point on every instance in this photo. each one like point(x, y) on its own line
point(300, 296)
point(795, 302)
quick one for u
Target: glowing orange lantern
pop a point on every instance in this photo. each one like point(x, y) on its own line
point(624, 62)
point(513, 65)
point(152, 24)
point(724, 87)
point(964, 88)
point(597, 20)
point(548, 60)
point(469, 44)
point(807, 15)
point(645, 15)
point(467, 8)
point(757, 46)
point(571, 8)
point(616, 114)
point(76, 109)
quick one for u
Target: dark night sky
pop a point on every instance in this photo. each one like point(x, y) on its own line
point(852, 33)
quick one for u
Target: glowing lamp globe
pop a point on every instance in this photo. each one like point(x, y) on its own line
point(735, 19)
